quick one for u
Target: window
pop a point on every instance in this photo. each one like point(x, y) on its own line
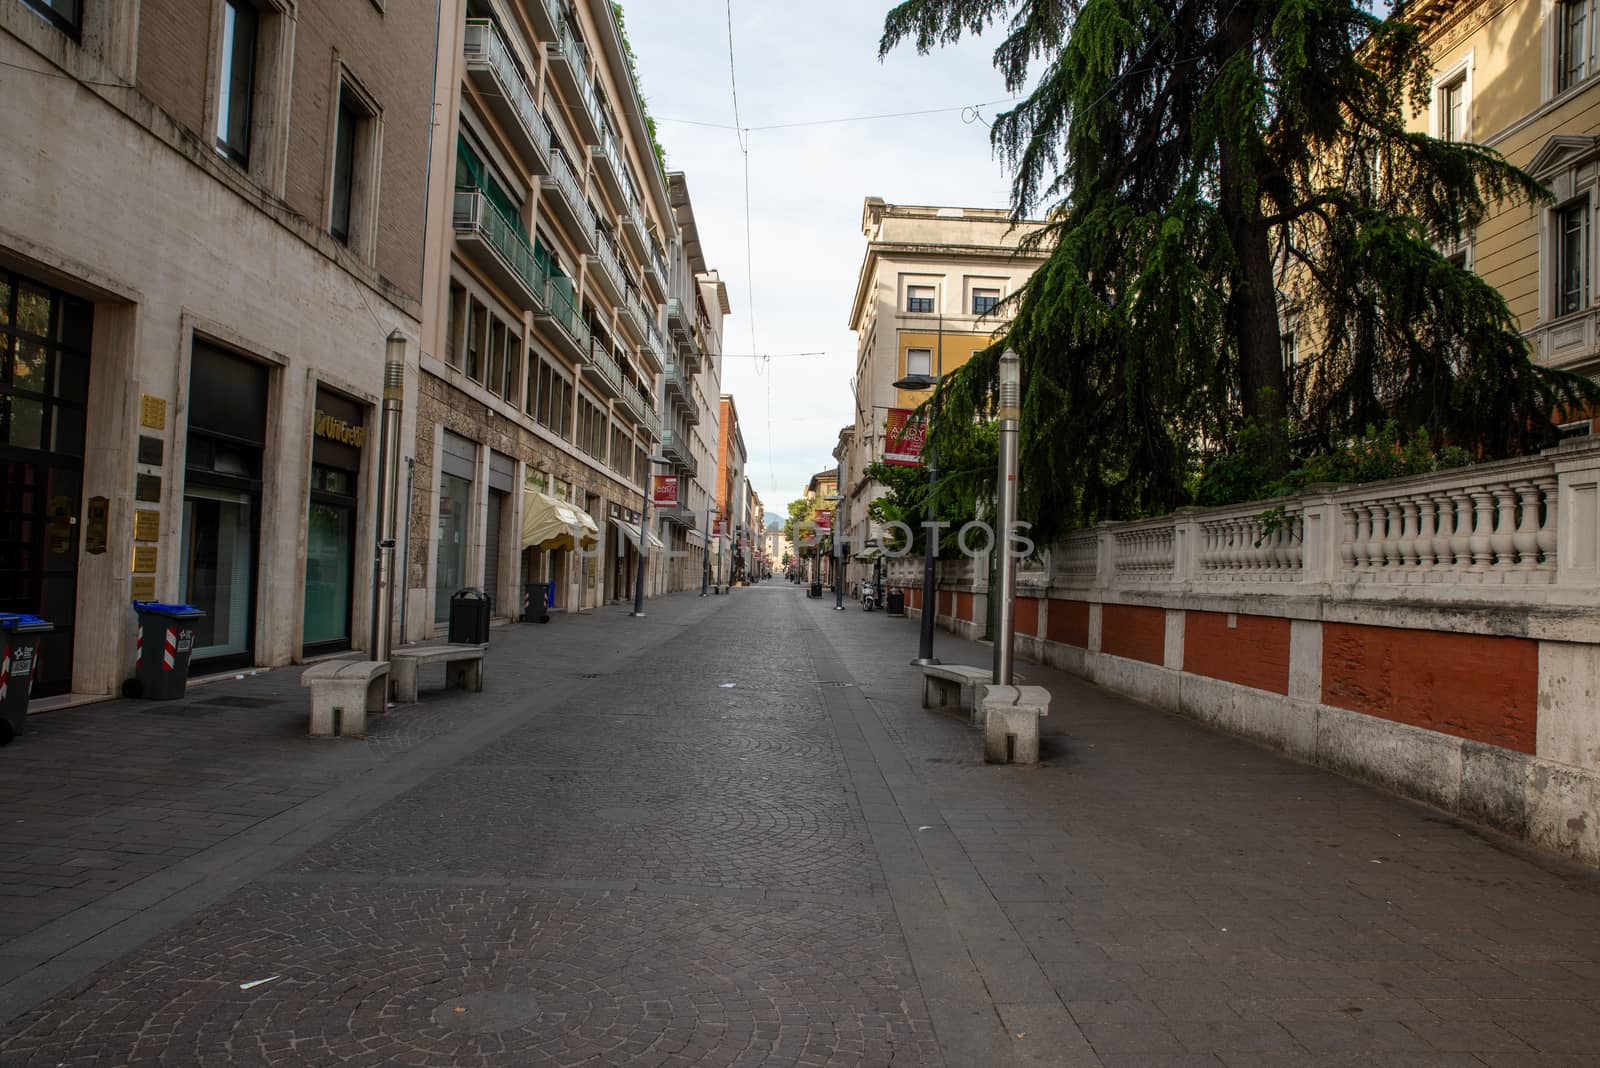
point(1579, 429)
point(513, 363)
point(919, 300)
point(1572, 257)
point(1573, 43)
point(344, 165)
point(497, 354)
point(984, 301)
point(919, 361)
point(1453, 110)
point(236, 85)
point(457, 314)
point(476, 324)
point(66, 14)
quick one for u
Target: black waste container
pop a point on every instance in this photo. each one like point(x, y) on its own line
point(166, 638)
point(816, 590)
point(897, 602)
point(19, 643)
point(469, 617)
point(535, 602)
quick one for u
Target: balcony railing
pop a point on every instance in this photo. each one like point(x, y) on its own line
point(655, 270)
point(633, 316)
point(633, 227)
point(607, 155)
point(638, 403)
point(673, 379)
point(571, 198)
point(570, 62)
point(656, 345)
point(561, 305)
point(610, 275)
point(495, 72)
point(603, 370)
point(499, 246)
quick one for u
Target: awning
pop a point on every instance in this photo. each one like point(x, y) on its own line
point(549, 523)
point(631, 532)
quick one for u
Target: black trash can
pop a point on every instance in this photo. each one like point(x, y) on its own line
point(816, 590)
point(897, 602)
point(535, 602)
point(166, 638)
point(19, 643)
point(469, 617)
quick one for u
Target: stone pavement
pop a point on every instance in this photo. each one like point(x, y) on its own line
point(726, 834)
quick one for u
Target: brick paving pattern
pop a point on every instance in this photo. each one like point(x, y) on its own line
point(615, 857)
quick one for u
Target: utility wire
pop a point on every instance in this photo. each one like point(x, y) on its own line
point(836, 121)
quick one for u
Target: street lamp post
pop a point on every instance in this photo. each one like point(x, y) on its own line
point(644, 542)
point(930, 595)
point(1010, 416)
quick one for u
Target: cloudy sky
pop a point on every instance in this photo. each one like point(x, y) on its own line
point(799, 63)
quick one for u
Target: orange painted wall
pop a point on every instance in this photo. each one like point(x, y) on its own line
point(1134, 631)
point(1068, 623)
point(1473, 686)
point(1027, 615)
point(964, 606)
point(1253, 652)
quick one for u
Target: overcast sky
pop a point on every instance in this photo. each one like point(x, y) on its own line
point(799, 63)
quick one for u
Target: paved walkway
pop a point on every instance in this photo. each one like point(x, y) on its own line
point(726, 834)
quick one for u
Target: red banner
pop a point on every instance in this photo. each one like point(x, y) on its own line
point(903, 437)
point(824, 520)
point(664, 494)
point(716, 527)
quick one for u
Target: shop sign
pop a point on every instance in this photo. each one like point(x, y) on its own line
point(664, 491)
point(904, 435)
point(336, 429)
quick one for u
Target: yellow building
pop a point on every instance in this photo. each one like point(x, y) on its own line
point(1519, 76)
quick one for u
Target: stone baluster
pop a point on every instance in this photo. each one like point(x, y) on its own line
point(1482, 527)
point(1347, 543)
point(1363, 543)
point(1525, 539)
point(1297, 541)
point(1503, 539)
point(1546, 540)
point(1461, 538)
point(1427, 524)
point(1406, 545)
point(1445, 511)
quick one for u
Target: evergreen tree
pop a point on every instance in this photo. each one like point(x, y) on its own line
point(1206, 168)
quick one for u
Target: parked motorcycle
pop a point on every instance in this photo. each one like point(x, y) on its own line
point(869, 596)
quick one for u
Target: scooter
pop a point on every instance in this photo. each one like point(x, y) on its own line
point(869, 596)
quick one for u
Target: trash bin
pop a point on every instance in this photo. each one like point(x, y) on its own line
point(166, 638)
point(469, 617)
point(816, 590)
point(897, 602)
point(535, 602)
point(19, 642)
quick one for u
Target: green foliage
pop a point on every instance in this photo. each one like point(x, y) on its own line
point(801, 511)
point(633, 69)
point(968, 454)
point(1208, 170)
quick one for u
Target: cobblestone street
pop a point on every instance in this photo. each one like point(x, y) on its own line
point(728, 834)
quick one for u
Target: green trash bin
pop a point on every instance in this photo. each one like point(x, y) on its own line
point(166, 638)
point(19, 645)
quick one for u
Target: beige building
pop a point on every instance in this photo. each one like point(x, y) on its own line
point(210, 221)
point(1520, 77)
point(930, 293)
point(568, 321)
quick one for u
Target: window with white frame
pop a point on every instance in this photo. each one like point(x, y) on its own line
point(1575, 41)
point(919, 300)
point(984, 300)
point(1570, 233)
point(1453, 109)
point(919, 361)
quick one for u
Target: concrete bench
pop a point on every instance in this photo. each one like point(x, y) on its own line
point(1011, 717)
point(463, 667)
point(942, 682)
point(342, 693)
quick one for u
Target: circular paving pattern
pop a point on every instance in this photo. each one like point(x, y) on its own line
point(497, 977)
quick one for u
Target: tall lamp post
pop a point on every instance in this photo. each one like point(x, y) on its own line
point(1010, 411)
point(930, 595)
point(644, 541)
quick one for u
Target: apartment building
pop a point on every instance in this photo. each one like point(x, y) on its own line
point(555, 348)
point(733, 492)
point(211, 223)
point(1520, 77)
point(930, 293)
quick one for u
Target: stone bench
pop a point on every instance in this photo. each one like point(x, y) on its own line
point(463, 667)
point(342, 693)
point(942, 682)
point(1011, 717)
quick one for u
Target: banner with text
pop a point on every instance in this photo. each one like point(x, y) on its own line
point(665, 492)
point(903, 437)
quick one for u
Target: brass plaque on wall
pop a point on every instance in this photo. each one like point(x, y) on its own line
point(150, 450)
point(148, 488)
point(144, 587)
point(97, 517)
point(144, 559)
point(152, 412)
point(146, 525)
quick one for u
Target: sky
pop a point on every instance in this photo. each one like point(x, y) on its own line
point(798, 63)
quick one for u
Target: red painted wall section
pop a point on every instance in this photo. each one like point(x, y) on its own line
point(1134, 631)
point(1027, 615)
point(1473, 686)
point(946, 602)
point(1068, 623)
point(964, 606)
point(1253, 652)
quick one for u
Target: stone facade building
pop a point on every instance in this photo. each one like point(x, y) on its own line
point(567, 314)
point(211, 220)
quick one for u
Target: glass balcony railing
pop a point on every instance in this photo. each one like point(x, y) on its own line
point(484, 46)
point(572, 193)
point(476, 216)
point(606, 367)
point(563, 307)
point(609, 261)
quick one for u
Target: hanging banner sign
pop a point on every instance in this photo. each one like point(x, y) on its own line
point(716, 527)
point(824, 520)
point(664, 494)
point(903, 437)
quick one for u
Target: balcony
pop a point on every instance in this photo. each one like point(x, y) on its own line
point(569, 63)
point(546, 15)
point(496, 244)
point(673, 380)
point(606, 271)
point(633, 317)
point(608, 165)
point(495, 75)
point(655, 347)
point(602, 371)
point(633, 226)
point(639, 405)
point(655, 272)
point(678, 320)
point(568, 200)
point(675, 447)
point(571, 333)
point(678, 515)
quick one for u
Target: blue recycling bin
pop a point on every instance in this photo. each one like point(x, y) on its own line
point(166, 638)
point(19, 647)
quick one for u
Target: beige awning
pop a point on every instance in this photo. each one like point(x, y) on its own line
point(631, 532)
point(549, 523)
